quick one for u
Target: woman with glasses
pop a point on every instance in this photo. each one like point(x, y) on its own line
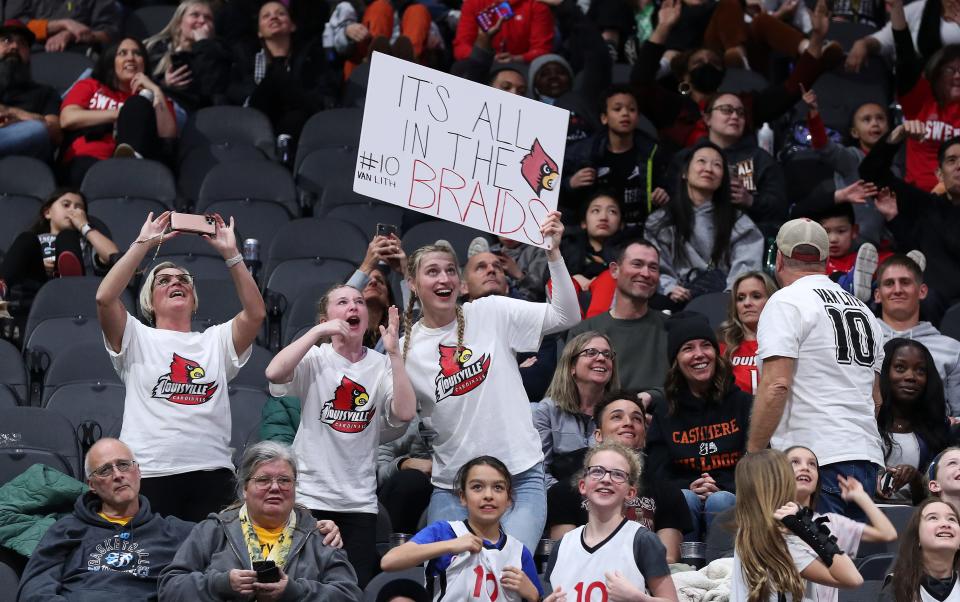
point(700, 433)
point(176, 416)
point(262, 546)
point(564, 418)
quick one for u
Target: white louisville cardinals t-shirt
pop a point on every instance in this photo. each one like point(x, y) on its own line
point(838, 347)
point(344, 405)
point(474, 399)
point(176, 413)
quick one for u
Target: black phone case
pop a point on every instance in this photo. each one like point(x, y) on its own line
point(267, 571)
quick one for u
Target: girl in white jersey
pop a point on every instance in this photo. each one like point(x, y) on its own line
point(849, 533)
point(473, 559)
point(348, 394)
point(779, 550)
point(926, 568)
point(462, 362)
point(611, 557)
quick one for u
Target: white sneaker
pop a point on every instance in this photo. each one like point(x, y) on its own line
point(863, 270)
point(478, 245)
point(918, 258)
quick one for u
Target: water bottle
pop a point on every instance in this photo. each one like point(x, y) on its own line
point(148, 94)
point(251, 255)
point(765, 138)
point(770, 263)
point(283, 148)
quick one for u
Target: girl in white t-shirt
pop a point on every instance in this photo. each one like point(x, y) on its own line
point(473, 559)
point(926, 568)
point(611, 556)
point(779, 549)
point(462, 363)
point(849, 533)
point(348, 394)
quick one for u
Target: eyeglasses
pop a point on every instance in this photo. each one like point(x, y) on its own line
point(598, 472)
point(729, 110)
point(591, 353)
point(265, 482)
point(106, 470)
point(167, 279)
point(950, 71)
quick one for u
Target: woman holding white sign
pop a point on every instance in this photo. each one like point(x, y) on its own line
point(461, 360)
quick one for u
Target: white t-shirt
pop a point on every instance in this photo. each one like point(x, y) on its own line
point(838, 347)
point(802, 556)
point(848, 533)
point(475, 400)
point(176, 413)
point(344, 405)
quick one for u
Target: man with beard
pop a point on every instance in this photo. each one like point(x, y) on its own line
point(29, 112)
point(636, 330)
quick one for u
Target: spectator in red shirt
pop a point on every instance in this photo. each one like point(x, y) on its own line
point(524, 37)
point(738, 333)
point(120, 98)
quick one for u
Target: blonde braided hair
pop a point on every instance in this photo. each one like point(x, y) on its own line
point(413, 267)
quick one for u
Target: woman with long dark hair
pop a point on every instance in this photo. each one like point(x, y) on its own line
point(704, 241)
point(116, 111)
point(926, 568)
point(912, 422)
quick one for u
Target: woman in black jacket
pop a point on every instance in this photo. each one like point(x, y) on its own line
point(700, 433)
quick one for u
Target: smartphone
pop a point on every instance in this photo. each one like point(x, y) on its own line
point(193, 224)
point(179, 59)
point(267, 571)
point(489, 16)
point(386, 230)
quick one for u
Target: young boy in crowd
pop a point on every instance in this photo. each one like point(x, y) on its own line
point(852, 269)
point(618, 158)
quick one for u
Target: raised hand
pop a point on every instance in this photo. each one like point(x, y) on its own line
point(886, 204)
point(224, 240)
point(786, 510)
point(391, 334)
point(856, 193)
point(154, 229)
point(552, 230)
point(850, 488)
point(810, 99)
point(669, 13)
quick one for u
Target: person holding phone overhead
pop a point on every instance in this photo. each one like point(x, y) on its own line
point(264, 530)
point(176, 416)
point(521, 38)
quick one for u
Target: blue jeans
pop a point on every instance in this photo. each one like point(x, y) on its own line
point(26, 138)
point(524, 520)
point(702, 512)
point(830, 500)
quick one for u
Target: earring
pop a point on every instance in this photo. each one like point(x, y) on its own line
point(684, 88)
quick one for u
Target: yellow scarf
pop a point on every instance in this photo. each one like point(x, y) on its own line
point(279, 552)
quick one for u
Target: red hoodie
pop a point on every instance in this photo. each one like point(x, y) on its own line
point(529, 33)
point(942, 123)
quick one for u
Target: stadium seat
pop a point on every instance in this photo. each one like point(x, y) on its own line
point(196, 255)
point(85, 363)
point(366, 216)
point(148, 20)
point(334, 128)
point(260, 195)
point(59, 70)
point(36, 435)
point(253, 373)
point(218, 303)
point(94, 410)
point(246, 404)
point(373, 588)
point(13, 374)
point(198, 162)
point(427, 233)
point(899, 516)
point(875, 567)
point(226, 124)
point(868, 592)
point(950, 324)
point(121, 192)
point(9, 579)
point(310, 250)
point(738, 80)
point(805, 172)
point(25, 183)
point(840, 93)
point(325, 168)
point(301, 312)
point(712, 305)
point(846, 33)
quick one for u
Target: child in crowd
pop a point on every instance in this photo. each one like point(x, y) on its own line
point(779, 550)
point(474, 555)
point(943, 476)
point(610, 555)
point(853, 269)
point(926, 568)
point(849, 533)
point(589, 251)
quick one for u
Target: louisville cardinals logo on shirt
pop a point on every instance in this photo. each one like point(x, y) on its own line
point(181, 384)
point(350, 410)
point(458, 375)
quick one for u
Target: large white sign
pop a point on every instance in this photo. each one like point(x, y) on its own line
point(460, 151)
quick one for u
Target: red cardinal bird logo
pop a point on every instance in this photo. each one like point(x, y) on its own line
point(180, 386)
point(350, 410)
point(456, 376)
point(538, 169)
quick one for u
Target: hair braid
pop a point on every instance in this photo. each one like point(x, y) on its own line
point(408, 324)
point(461, 324)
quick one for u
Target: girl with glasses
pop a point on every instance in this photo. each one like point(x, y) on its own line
point(611, 557)
point(473, 559)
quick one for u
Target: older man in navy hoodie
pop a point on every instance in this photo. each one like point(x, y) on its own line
point(112, 546)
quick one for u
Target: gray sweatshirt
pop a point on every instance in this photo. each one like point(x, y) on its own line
point(746, 246)
point(945, 352)
point(560, 432)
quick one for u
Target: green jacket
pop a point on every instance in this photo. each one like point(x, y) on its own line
point(33, 501)
point(280, 419)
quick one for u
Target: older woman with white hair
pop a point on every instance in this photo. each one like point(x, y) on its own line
point(176, 415)
point(263, 545)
